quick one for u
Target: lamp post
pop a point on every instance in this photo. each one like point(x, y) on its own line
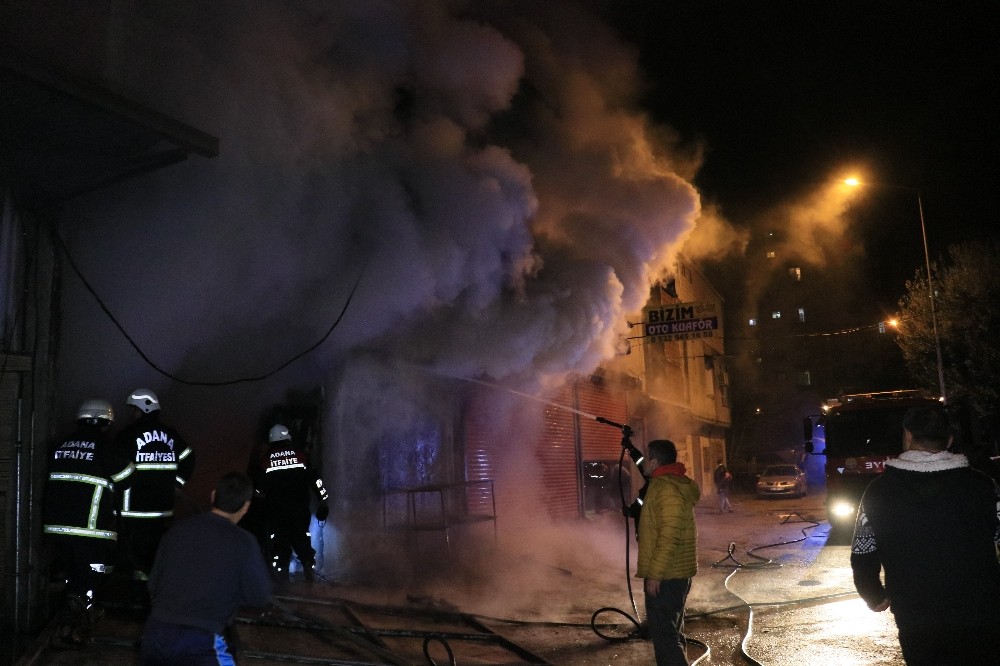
point(854, 182)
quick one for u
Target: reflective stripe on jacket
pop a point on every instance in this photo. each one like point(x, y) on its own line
point(79, 498)
point(163, 462)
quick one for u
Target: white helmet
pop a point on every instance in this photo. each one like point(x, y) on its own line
point(278, 433)
point(144, 399)
point(96, 412)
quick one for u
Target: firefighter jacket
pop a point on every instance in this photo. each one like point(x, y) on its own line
point(667, 533)
point(163, 461)
point(287, 480)
point(84, 473)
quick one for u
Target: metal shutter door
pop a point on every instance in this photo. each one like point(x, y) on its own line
point(557, 456)
point(600, 441)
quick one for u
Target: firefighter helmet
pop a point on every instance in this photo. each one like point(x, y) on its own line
point(144, 399)
point(96, 411)
point(278, 433)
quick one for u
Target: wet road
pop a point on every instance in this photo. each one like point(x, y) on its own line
point(798, 605)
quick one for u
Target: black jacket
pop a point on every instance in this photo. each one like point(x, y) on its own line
point(930, 522)
point(286, 480)
point(84, 474)
point(163, 461)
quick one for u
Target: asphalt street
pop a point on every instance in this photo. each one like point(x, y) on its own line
point(770, 583)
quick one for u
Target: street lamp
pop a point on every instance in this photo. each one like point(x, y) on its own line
point(854, 182)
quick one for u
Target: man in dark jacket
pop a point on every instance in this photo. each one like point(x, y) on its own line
point(79, 521)
point(207, 568)
point(931, 523)
point(723, 480)
point(288, 483)
point(163, 463)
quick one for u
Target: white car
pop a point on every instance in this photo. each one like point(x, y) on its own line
point(785, 480)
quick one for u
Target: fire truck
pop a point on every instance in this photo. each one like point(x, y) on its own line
point(859, 432)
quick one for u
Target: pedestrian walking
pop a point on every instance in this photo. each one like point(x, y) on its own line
point(723, 481)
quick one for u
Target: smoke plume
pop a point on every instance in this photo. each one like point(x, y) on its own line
point(483, 174)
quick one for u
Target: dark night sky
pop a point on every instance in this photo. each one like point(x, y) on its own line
point(786, 93)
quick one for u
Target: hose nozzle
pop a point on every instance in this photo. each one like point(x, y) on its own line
point(626, 430)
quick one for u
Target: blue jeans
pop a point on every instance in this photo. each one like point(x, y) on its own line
point(665, 615)
point(724, 504)
point(165, 644)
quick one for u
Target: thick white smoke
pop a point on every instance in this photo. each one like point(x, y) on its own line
point(486, 175)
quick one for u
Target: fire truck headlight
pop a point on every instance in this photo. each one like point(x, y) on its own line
point(842, 509)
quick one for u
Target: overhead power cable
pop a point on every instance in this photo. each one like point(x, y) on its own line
point(181, 380)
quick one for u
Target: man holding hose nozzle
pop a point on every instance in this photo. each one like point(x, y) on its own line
point(635, 508)
point(668, 557)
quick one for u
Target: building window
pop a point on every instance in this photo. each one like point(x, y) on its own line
point(802, 314)
point(752, 321)
point(776, 315)
point(796, 273)
point(881, 327)
point(804, 378)
point(770, 254)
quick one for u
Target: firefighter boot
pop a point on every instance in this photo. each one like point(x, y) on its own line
point(68, 634)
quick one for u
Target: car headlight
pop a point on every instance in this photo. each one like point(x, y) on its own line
point(842, 509)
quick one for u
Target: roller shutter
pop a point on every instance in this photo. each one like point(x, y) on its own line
point(598, 440)
point(556, 455)
point(565, 440)
point(481, 453)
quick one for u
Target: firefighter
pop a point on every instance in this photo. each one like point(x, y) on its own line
point(287, 483)
point(78, 509)
point(163, 463)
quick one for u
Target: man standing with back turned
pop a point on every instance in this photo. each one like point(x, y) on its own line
point(207, 568)
point(668, 559)
point(930, 522)
point(79, 520)
point(163, 462)
point(288, 482)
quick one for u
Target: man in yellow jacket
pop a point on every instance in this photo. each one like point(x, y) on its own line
point(668, 540)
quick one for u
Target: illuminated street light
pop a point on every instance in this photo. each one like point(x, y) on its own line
point(855, 182)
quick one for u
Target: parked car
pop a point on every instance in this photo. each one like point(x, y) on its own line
point(785, 480)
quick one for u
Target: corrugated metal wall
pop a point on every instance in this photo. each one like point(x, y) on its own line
point(601, 441)
point(8, 433)
point(558, 458)
point(27, 390)
point(565, 441)
point(480, 456)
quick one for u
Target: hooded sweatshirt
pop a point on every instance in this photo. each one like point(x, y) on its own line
point(931, 523)
point(668, 538)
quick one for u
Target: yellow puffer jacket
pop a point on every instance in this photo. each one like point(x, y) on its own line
point(668, 537)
